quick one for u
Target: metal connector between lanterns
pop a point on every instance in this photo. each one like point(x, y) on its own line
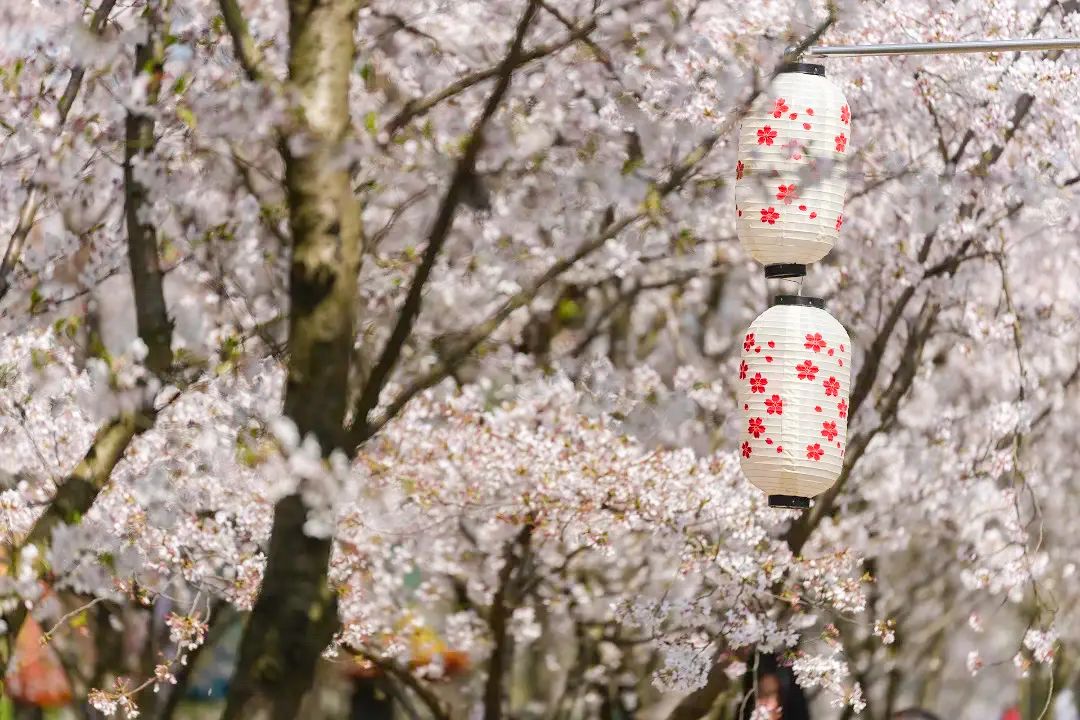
point(939, 48)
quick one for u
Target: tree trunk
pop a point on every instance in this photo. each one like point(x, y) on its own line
point(296, 612)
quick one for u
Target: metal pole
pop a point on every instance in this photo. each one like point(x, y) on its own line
point(940, 48)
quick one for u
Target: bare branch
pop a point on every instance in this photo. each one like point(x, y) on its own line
point(464, 173)
point(421, 106)
point(244, 46)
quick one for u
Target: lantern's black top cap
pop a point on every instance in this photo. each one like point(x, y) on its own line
point(802, 300)
point(801, 67)
point(793, 502)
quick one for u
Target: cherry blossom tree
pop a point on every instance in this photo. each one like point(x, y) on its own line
point(407, 337)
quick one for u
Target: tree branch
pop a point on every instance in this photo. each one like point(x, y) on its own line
point(151, 314)
point(399, 672)
point(501, 607)
point(421, 106)
point(464, 173)
point(244, 45)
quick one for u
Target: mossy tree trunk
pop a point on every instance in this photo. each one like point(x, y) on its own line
point(296, 612)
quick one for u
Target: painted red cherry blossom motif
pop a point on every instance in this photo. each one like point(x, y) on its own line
point(806, 126)
point(829, 431)
point(839, 221)
point(809, 111)
point(739, 167)
point(772, 344)
point(803, 208)
point(813, 215)
point(842, 408)
point(779, 448)
point(817, 408)
point(758, 383)
point(756, 428)
point(830, 352)
point(743, 367)
point(774, 405)
point(841, 347)
point(769, 215)
point(748, 342)
point(814, 342)
point(765, 135)
point(841, 142)
point(768, 441)
point(807, 370)
point(768, 358)
point(845, 115)
point(813, 452)
point(746, 449)
point(786, 193)
point(779, 108)
point(832, 387)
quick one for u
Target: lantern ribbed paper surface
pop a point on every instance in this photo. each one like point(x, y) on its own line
point(794, 380)
point(791, 173)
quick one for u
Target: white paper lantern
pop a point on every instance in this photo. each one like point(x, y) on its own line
point(794, 384)
point(791, 173)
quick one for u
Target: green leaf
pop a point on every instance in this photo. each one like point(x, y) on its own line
point(371, 122)
point(186, 116)
point(568, 310)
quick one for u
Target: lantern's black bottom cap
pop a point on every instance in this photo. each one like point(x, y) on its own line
point(789, 501)
point(785, 270)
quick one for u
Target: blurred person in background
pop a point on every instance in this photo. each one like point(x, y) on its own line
point(776, 692)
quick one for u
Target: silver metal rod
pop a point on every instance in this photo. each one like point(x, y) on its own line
point(939, 48)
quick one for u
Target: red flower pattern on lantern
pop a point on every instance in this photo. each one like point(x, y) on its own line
point(832, 387)
point(814, 342)
point(774, 405)
point(829, 431)
point(748, 342)
point(813, 452)
point(758, 383)
point(841, 142)
point(756, 427)
point(743, 367)
point(839, 221)
point(787, 193)
point(807, 370)
point(765, 135)
point(842, 408)
point(746, 450)
point(845, 115)
point(769, 215)
point(739, 167)
point(779, 108)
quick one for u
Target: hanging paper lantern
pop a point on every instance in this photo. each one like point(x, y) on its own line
point(35, 675)
point(791, 173)
point(794, 380)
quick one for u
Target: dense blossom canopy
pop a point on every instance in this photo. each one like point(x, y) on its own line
point(549, 474)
